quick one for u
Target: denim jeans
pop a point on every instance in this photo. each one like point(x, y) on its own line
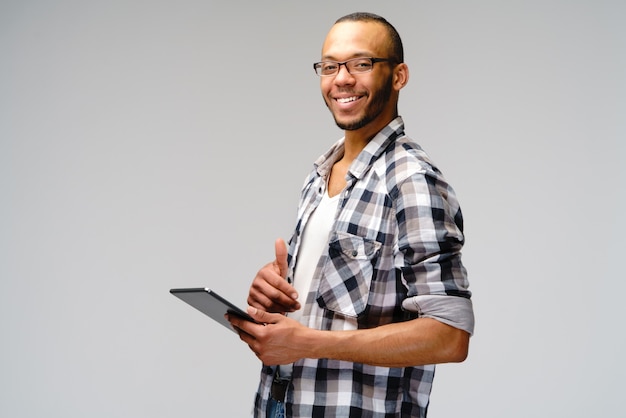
point(275, 409)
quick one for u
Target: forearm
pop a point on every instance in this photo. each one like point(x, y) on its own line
point(412, 343)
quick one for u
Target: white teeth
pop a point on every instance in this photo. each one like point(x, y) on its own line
point(347, 99)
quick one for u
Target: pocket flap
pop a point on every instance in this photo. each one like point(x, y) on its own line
point(347, 275)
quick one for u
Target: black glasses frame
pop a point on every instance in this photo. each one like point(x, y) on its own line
point(317, 66)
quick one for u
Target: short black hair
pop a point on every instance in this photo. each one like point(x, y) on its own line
point(397, 50)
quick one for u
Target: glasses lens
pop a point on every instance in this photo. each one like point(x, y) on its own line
point(327, 68)
point(359, 65)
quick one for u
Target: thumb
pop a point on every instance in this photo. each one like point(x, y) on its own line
point(262, 317)
point(281, 257)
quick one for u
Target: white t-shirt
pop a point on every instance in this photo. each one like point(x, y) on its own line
point(314, 243)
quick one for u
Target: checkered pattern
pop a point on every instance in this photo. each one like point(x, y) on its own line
point(398, 234)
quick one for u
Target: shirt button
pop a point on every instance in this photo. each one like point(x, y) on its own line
point(355, 253)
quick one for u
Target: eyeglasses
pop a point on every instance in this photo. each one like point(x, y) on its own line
point(353, 66)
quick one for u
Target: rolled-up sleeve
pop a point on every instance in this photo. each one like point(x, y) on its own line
point(455, 311)
point(429, 260)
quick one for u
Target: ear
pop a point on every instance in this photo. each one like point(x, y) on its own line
point(400, 76)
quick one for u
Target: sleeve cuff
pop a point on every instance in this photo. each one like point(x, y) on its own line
point(455, 311)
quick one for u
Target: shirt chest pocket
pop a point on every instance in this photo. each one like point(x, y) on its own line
point(348, 274)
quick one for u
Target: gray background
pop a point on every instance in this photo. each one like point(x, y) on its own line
point(146, 145)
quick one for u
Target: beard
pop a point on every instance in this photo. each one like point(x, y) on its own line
point(380, 98)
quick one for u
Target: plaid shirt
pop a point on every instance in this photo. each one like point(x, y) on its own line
point(397, 235)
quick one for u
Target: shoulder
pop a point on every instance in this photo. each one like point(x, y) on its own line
point(404, 159)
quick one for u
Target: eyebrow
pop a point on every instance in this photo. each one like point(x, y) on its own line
point(355, 55)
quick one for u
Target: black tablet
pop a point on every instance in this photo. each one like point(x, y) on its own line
point(210, 303)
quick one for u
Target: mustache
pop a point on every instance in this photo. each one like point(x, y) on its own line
point(349, 91)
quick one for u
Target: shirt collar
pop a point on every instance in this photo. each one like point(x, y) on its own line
point(370, 153)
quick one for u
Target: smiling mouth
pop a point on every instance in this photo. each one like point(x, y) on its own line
point(347, 99)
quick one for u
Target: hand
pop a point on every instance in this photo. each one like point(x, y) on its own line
point(275, 340)
point(269, 290)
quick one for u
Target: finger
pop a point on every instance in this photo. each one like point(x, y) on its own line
point(280, 249)
point(259, 300)
point(243, 327)
point(263, 322)
point(263, 317)
point(264, 303)
point(269, 298)
point(271, 291)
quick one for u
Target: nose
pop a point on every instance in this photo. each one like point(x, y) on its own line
point(343, 76)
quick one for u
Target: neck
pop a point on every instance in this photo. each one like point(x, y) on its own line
point(358, 139)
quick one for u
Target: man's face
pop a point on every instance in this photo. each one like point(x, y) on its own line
point(359, 100)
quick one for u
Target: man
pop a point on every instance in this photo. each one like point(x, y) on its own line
point(372, 292)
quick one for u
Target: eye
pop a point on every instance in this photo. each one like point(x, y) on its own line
point(329, 67)
point(362, 64)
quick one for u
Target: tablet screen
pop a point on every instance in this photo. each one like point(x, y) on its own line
point(210, 303)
